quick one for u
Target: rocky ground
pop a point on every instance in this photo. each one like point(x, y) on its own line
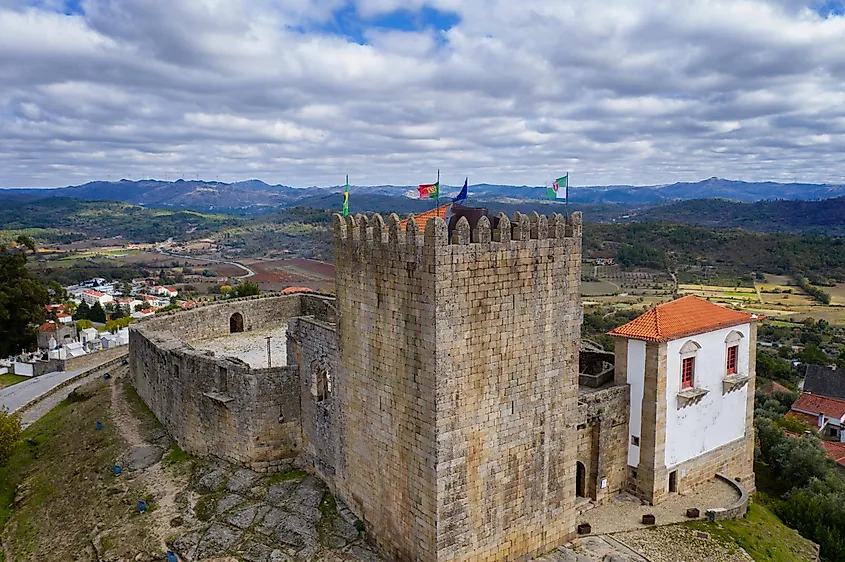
point(236, 513)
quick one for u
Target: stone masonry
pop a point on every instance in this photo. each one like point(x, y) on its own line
point(459, 369)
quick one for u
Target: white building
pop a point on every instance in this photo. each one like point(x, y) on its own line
point(143, 313)
point(90, 338)
point(690, 365)
point(128, 304)
point(91, 297)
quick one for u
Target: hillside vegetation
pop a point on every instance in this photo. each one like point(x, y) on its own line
point(109, 218)
point(729, 251)
point(822, 217)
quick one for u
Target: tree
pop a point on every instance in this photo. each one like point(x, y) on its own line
point(83, 312)
point(58, 294)
point(83, 324)
point(10, 435)
point(246, 289)
point(97, 313)
point(22, 297)
point(813, 356)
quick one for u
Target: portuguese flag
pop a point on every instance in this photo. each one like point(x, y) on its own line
point(429, 190)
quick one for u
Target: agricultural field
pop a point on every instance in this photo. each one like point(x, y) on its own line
point(837, 294)
point(275, 275)
point(598, 288)
point(721, 293)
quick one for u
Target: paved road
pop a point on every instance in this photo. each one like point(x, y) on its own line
point(17, 395)
point(249, 273)
point(33, 414)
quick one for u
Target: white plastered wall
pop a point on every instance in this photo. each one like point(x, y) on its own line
point(636, 378)
point(718, 418)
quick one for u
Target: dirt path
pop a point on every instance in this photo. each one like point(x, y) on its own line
point(164, 485)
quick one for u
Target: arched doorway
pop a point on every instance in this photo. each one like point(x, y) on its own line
point(236, 323)
point(580, 479)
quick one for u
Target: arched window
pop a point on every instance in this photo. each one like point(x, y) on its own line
point(732, 352)
point(688, 352)
point(321, 380)
point(236, 323)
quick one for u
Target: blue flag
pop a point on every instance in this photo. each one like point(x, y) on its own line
point(463, 194)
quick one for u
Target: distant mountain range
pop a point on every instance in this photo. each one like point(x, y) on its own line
point(257, 197)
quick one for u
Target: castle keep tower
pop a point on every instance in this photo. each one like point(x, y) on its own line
point(457, 383)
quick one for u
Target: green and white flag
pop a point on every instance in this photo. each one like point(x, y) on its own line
point(559, 188)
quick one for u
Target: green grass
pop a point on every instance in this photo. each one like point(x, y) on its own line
point(9, 380)
point(176, 455)
point(63, 466)
point(748, 295)
point(294, 475)
point(763, 536)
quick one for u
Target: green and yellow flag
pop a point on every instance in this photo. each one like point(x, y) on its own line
point(346, 198)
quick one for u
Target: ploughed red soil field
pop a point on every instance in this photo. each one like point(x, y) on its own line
point(275, 275)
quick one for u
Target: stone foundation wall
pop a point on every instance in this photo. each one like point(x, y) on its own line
point(603, 441)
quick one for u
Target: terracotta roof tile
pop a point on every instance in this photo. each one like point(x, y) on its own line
point(680, 318)
point(297, 290)
point(422, 218)
point(809, 419)
point(816, 404)
point(771, 387)
point(835, 451)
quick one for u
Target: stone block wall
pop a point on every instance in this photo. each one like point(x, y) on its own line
point(603, 441)
point(460, 368)
point(219, 406)
point(313, 348)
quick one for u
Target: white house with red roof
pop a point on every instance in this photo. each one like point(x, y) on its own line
point(128, 303)
point(91, 297)
point(690, 364)
point(825, 415)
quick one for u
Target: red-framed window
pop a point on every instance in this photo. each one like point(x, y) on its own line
point(733, 353)
point(688, 372)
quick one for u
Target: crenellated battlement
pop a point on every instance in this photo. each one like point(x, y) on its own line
point(361, 231)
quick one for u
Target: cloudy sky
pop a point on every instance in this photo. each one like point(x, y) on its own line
point(302, 92)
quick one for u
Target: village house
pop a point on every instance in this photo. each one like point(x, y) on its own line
point(91, 297)
point(128, 304)
point(825, 415)
point(824, 380)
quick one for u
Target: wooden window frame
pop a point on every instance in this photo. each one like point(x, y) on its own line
point(732, 363)
point(687, 372)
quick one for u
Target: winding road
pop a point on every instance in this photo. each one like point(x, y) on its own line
point(160, 249)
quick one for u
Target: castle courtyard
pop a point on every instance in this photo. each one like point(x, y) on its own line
point(250, 347)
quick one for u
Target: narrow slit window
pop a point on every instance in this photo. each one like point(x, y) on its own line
point(688, 372)
point(732, 359)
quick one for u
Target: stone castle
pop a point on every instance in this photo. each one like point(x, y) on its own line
point(442, 394)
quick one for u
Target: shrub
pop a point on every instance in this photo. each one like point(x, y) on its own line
point(10, 435)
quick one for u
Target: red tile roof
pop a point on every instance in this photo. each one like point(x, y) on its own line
point(297, 290)
point(835, 451)
point(771, 387)
point(815, 404)
point(809, 419)
point(422, 218)
point(47, 327)
point(94, 293)
point(680, 318)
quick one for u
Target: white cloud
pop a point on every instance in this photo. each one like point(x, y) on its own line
point(615, 91)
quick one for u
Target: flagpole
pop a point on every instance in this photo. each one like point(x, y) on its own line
point(566, 208)
point(437, 197)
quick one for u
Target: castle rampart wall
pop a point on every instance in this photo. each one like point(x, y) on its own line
point(219, 406)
